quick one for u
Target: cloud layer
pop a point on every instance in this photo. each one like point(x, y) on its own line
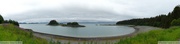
point(84, 10)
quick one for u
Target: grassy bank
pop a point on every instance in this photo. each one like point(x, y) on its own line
point(12, 33)
point(152, 37)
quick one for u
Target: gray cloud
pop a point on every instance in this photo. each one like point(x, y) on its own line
point(69, 14)
point(92, 10)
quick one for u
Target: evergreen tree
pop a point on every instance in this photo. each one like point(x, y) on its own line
point(176, 12)
point(1, 19)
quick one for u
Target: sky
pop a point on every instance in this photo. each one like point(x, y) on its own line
point(83, 10)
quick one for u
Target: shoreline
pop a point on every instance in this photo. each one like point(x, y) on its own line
point(84, 38)
point(137, 30)
point(100, 40)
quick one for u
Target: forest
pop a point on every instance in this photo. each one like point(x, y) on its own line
point(163, 20)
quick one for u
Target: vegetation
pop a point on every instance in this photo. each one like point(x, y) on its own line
point(11, 22)
point(53, 22)
point(152, 37)
point(163, 20)
point(8, 21)
point(1, 19)
point(175, 22)
point(72, 23)
point(13, 33)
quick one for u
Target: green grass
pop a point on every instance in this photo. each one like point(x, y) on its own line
point(12, 33)
point(152, 37)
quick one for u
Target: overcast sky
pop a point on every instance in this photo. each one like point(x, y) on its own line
point(83, 10)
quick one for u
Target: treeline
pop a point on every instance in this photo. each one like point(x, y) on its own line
point(163, 20)
point(8, 21)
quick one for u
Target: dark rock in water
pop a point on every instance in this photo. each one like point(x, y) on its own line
point(53, 22)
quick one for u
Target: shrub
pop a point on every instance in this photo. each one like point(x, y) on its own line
point(175, 22)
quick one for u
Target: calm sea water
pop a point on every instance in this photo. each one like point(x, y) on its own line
point(91, 30)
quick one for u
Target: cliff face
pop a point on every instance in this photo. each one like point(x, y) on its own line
point(53, 22)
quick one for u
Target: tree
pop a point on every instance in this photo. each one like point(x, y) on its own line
point(1, 19)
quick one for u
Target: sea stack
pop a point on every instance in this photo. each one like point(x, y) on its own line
point(53, 22)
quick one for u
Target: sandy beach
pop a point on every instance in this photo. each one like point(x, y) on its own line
point(99, 40)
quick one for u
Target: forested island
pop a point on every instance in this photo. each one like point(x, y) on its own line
point(163, 20)
point(73, 24)
point(53, 22)
point(69, 24)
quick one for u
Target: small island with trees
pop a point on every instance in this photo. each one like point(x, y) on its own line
point(69, 24)
point(73, 24)
point(53, 23)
